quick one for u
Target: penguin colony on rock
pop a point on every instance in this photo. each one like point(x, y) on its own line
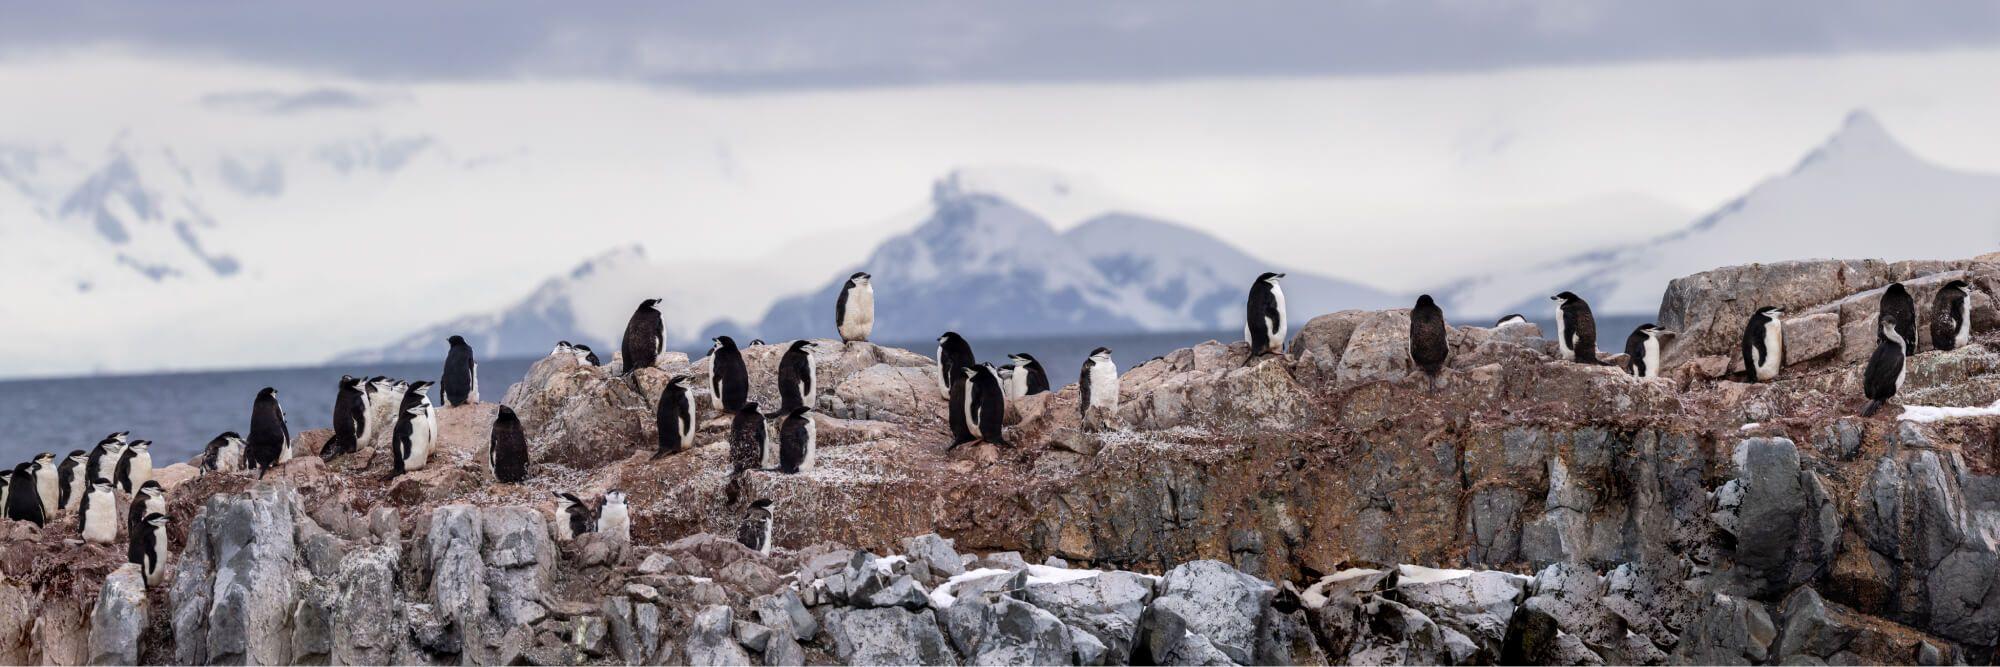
point(88, 482)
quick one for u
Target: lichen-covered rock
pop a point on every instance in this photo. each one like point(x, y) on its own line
point(887, 636)
point(711, 642)
point(1107, 606)
point(368, 611)
point(119, 618)
point(1223, 605)
point(251, 537)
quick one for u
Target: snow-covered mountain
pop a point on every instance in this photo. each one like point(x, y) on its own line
point(132, 215)
point(985, 266)
point(1860, 194)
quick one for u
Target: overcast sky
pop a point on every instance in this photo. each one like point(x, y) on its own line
point(768, 45)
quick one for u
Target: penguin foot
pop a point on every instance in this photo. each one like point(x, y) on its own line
point(1869, 410)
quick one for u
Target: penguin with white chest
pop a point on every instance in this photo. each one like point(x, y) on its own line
point(1029, 376)
point(69, 480)
point(135, 466)
point(507, 449)
point(1899, 310)
point(1883, 377)
point(270, 438)
point(675, 418)
point(1576, 329)
point(104, 457)
point(854, 311)
point(754, 531)
point(985, 404)
point(728, 378)
point(416, 430)
point(1643, 348)
point(1951, 316)
point(24, 502)
point(614, 518)
point(798, 441)
point(223, 454)
point(645, 337)
point(48, 485)
point(954, 355)
point(798, 380)
point(1099, 385)
point(1510, 319)
point(573, 517)
point(148, 499)
point(1764, 344)
point(147, 547)
point(350, 418)
point(459, 384)
point(1264, 316)
point(98, 515)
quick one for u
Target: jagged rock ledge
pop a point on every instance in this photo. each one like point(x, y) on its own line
point(1292, 507)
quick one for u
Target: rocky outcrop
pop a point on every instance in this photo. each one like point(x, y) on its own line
point(1325, 505)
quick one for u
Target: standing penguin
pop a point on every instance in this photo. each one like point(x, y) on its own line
point(1951, 316)
point(676, 417)
point(1884, 375)
point(148, 499)
point(728, 378)
point(985, 404)
point(135, 466)
point(350, 418)
point(69, 480)
point(1029, 378)
point(384, 394)
point(148, 547)
point(747, 439)
point(797, 378)
point(613, 517)
point(1099, 385)
point(508, 451)
point(1430, 344)
point(587, 357)
point(459, 384)
point(224, 453)
point(1643, 346)
point(48, 486)
point(416, 430)
point(1510, 319)
point(1764, 344)
point(97, 516)
point(104, 457)
point(23, 502)
point(270, 437)
point(1264, 316)
point(754, 531)
point(645, 337)
point(954, 356)
point(798, 437)
point(1576, 330)
point(854, 313)
point(1900, 310)
point(573, 517)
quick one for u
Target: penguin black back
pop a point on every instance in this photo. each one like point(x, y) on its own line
point(460, 382)
point(1430, 346)
point(69, 478)
point(675, 417)
point(954, 356)
point(728, 378)
point(1951, 315)
point(1037, 379)
point(797, 378)
point(508, 453)
point(350, 411)
point(268, 432)
point(1264, 315)
point(988, 404)
point(1883, 376)
point(645, 336)
point(797, 441)
point(23, 504)
point(1900, 311)
point(1576, 328)
point(746, 440)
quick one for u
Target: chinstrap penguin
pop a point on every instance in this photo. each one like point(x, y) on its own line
point(1643, 347)
point(675, 417)
point(645, 337)
point(854, 311)
point(954, 355)
point(223, 454)
point(149, 499)
point(135, 466)
point(1576, 330)
point(507, 452)
point(1029, 376)
point(24, 503)
point(1099, 385)
point(1899, 310)
point(573, 517)
point(798, 380)
point(350, 418)
point(270, 438)
point(1951, 316)
point(148, 547)
point(1764, 344)
point(1510, 319)
point(98, 515)
point(1430, 341)
point(104, 457)
point(985, 404)
point(1884, 375)
point(728, 378)
point(754, 531)
point(747, 440)
point(459, 384)
point(48, 484)
point(416, 430)
point(613, 517)
point(798, 437)
point(1264, 316)
point(69, 480)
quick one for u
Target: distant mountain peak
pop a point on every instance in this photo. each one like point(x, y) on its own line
point(1060, 199)
point(1861, 136)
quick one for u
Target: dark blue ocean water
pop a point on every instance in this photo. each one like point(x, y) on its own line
point(181, 412)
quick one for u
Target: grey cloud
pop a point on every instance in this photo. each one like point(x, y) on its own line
point(280, 103)
point(758, 46)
